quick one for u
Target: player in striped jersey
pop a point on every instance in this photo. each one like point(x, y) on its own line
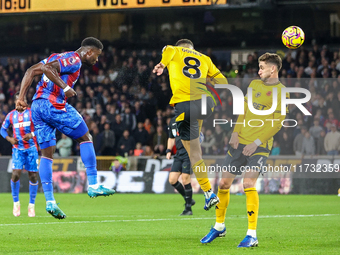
point(50, 112)
point(24, 155)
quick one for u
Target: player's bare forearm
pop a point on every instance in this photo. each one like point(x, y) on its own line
point(26, 82)
point(12, 140)
point(234, 140)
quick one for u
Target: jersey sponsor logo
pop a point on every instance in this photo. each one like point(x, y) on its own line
point(64, 62)
point(22, 124)
point(258, 106)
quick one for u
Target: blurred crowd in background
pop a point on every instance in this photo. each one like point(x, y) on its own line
point(126, 106)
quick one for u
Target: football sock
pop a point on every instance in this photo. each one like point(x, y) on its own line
point(88, 156)
point(188, 195)
point(45, 172)
point(251, 232)
point(179, 187)
point(252, 207)
point(15, 187)
point(201, 174)
point(219, 226)
point(33, 189)
point(221, 207)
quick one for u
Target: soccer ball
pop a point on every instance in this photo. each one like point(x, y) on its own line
point(293, 37)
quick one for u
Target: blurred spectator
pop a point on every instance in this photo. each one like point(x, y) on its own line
point(118, 127)
point(209, 141)
point(126, 144)
point(148, 151)
point(108, 141)
point(320, 144)
point(140, 134)
point(138, 150)
point(64, 146)
point(276, 149)
point(332, 141)
point(298, 140)
point(308, 144)
point(129, 119)
point(286, 147)
point(316, 129)
point(116, 166)
point(160, 137)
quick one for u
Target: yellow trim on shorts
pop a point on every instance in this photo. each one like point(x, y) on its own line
point(266, 154)
point(180, 117)
point(229, 154)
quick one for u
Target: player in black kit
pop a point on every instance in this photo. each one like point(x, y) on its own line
point(180, 166)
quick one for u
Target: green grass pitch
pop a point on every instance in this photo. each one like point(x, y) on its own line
point(149, 224)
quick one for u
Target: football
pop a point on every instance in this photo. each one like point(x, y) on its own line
point(293, 37)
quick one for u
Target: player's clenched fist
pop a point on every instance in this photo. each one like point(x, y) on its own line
point(20, 105)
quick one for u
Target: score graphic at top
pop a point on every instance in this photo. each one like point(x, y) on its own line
point(26, 6)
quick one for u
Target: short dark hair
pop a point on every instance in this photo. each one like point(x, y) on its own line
point(272, 58)
point(92, 42)
point(184, 41)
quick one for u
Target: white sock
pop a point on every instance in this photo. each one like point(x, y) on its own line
point(94, 186)
point(17, 203)
point(52, 201)
point(31, 205)
point(208, 193)
point(251, 232)
point(219, 226)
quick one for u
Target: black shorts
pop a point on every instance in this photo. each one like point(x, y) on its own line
point(237, 163)
point(181, 165)
point(187, 115)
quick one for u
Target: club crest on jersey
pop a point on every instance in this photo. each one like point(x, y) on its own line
point(173, 132)
point(258, 94)
point(269, 93)
point(71, 61)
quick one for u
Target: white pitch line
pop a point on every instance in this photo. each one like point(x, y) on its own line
point(168, 219)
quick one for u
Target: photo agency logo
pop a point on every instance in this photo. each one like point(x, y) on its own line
point(257, 108)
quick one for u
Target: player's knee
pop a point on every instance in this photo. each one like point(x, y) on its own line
point(85, 138)
point(248, 184)
point(33, 176)
point(186, 179)
point(15, 176)
point(172, 180)
point(224, 184)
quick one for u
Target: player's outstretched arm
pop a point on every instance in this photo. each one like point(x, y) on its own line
point(26, 82)
point(158, 69)
point(52, 70)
